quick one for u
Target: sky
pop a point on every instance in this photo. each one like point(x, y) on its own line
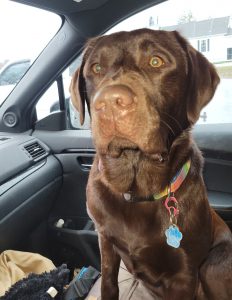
point(24, 31)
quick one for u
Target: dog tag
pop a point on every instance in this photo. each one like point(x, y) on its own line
point(174, 236)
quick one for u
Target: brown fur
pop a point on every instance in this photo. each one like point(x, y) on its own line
point(141, 123)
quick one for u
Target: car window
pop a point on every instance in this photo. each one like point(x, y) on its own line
point(48, 103)
point(23, 37)
point(208, 27)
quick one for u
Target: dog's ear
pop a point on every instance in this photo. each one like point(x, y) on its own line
point(202, 80)
point(77, 92)
point(203, 83)
point(78, 87)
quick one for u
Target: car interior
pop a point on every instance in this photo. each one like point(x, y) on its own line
point(45, 162)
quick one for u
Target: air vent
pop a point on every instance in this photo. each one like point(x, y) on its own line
point(35, 150)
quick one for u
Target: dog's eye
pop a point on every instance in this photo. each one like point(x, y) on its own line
point(156, 62)
point(96, 68)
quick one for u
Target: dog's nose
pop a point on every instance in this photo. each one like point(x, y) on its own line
point(120, 97)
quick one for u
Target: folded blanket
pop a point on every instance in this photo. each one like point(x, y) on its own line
point(15, 265)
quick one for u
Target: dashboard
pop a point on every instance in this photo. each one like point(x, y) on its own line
point(30, 178)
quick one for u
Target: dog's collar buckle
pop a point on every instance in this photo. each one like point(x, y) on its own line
point(173, 207)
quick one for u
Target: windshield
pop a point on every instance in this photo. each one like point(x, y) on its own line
point(23, 37)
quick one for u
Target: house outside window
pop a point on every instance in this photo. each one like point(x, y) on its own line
point(203, 45)
point(229, 53)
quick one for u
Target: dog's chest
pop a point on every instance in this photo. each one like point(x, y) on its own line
point(144, 250)
point(138, 235)
point(135, 223)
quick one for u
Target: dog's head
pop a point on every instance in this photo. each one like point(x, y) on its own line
point(143, 88)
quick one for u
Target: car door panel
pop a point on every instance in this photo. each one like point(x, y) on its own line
point(215, 142)
point(70, 207)
point(75, 151)
point(76, 235)
point(71, 200)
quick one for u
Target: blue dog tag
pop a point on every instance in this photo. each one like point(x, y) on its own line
point(174, 236)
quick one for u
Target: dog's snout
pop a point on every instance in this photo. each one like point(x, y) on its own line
point(117, 96)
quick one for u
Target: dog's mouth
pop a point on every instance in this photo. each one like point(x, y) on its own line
point(121, 146)
point(122, 162)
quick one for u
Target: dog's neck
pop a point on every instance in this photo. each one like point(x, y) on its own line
point(170, 189)
point(140, 176)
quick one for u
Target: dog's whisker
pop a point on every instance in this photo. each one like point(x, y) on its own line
point(168, 126)
point(174, 119)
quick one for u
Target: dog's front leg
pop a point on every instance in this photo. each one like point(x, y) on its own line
point(182, 286)
point(110, 262)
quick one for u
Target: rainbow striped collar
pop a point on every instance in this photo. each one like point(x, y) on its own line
point(176, 181)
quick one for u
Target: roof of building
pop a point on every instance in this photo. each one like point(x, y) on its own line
point(209, 27)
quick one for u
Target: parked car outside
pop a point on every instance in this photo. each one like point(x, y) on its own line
point(10, 75)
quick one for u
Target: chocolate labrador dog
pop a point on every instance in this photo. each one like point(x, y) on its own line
point(144, 90)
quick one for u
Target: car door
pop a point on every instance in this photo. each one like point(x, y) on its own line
point(69, 224)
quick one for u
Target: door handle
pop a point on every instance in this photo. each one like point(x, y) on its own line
point(86, 165)
point(85, 161)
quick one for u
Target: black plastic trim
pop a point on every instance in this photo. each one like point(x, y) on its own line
point(9, 184)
